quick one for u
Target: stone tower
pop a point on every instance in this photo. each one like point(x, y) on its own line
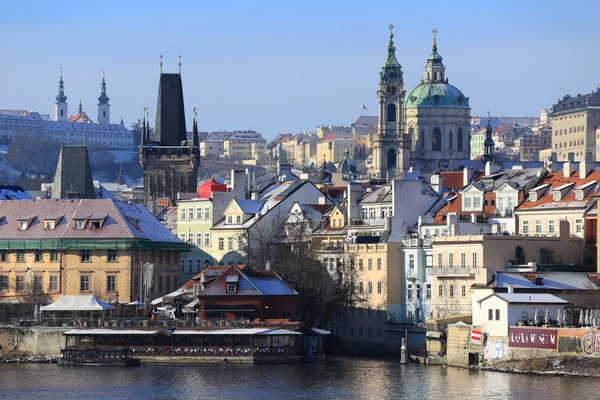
point(61, 106)
point(391, 148)
point(489, 145)
point(169, 160)
point(103, 106)
point(73, 178)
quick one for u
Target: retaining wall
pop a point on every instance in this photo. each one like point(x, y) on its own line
point(37, 341)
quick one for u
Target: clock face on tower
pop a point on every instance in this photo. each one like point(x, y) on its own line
point(392, 75)
point(391, 90)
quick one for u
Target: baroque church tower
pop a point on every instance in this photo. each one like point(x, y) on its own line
point(103, 106)
point(170, 161)
point(61, 106)
point(391, 148)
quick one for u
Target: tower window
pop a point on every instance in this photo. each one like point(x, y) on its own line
point(104, 114)
point(436, 140)
point(391, 113)
point(459, 140)
point(62, 113)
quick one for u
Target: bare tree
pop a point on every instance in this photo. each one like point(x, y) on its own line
point(33, 153)
point(288, 247)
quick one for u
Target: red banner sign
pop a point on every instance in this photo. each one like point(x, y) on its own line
point(476, 337)
point(533, 338)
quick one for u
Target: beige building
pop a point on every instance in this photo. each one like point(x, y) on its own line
point(574, 124)
point(379, 276)
point(77, 247)
point(456, 259)
point(332, 147)
point(526, 147)
point(245, 145)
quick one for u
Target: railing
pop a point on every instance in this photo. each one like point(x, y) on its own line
point(452, 270)
point(418, 351)
point(192, 351)
point(129, 323)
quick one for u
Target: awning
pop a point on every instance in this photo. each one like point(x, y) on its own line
point(78, 303)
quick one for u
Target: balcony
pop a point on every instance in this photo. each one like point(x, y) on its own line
point(417, 243)
point(456, 270)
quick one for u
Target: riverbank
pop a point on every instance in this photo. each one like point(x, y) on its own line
point(558, 366)
point(22, 358)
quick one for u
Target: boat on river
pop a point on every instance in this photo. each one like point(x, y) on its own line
point(98, 356)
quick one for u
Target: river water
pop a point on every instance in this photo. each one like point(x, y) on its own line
point(350, 378)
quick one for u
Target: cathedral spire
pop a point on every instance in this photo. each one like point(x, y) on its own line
point(391, 60)
point(143, 139)
point(103, 99)
point(61, 98)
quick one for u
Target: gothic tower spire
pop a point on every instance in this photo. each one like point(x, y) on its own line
point(61, 106)
point(195, 141)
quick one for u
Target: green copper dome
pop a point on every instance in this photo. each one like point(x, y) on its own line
point(435, 95)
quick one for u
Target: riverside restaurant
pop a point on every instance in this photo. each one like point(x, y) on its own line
point(238, 345)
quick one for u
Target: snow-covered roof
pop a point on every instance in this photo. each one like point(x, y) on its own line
point(534, 298)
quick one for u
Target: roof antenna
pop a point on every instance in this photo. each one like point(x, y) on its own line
point(161, 63)
point(180, 64)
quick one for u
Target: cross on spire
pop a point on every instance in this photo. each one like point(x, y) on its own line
point(434, 31)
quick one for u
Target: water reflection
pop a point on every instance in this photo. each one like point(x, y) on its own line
point(350, 378)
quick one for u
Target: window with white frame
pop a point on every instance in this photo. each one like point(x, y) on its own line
point(463, 291)
point(199, 239)
point(551, 228)
point(190, 212)
point(206, 212)
point(525, 227)
point(369, 287)
point(474, 259)
point(440, 290)
point(428, 292)
point(440, 260)
point(451, 290)
point(463, 260)
point(182, 214)
point(206, 238)
point(476, 202)
point(467, 202)
point(409, 291)
point(578, 225)
point(221, 243)
point(538, 226)
point(411, 261)
point(379, 287)
point(451, 260)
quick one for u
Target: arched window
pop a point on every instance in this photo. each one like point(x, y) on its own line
point(459, 140)
point(423, 139)
point(429, 76)
point(450, 144)
point(391, 159)
point(104, 114)
point(391, 112)
point(62, 113)
point(436, 139)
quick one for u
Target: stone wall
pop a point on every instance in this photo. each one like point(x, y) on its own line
point(38, 341)
point(581, 342)
point(459, 345)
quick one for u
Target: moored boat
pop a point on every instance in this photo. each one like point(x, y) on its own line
point(98, 356)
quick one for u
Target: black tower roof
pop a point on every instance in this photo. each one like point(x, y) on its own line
point(170, 115)
point(73, 177)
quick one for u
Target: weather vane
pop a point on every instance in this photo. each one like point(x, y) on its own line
point(434, 31)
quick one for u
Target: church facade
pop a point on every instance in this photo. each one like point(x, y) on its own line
point(430, 122)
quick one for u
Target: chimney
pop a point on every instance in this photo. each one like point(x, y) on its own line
point(510, 288)
point(473, 218)
point(585, 167)
point(568, 168)
point(355, 191)
point(237, 183)
point(468, 173)
point(436, 184)
point(491, 167)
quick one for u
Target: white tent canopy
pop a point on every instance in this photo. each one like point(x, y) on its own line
point(78, 303)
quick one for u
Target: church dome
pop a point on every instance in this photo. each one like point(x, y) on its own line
point(436, 95)
point(347, 166)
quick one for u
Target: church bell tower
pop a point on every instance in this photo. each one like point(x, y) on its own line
point(391, 149)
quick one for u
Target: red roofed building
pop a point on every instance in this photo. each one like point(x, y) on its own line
point(206, 189)
point(233, 292)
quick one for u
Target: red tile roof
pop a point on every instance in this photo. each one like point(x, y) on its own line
point(452, 180)
point(546, 201)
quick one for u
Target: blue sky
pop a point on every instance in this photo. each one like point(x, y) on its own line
point(289, 66)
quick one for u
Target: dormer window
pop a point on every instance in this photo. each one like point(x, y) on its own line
point(232, 281)
point(80, 221)
point(579, 195)
point(97, 221)
point(48, 225)
point(556, 195)
point(238, 219)
point(229, 220)
point(533, 196)
point(25, 222)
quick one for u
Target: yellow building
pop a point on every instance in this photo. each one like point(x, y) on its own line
point(333, 146)
point(76, 247)
point(379, 283)
point(247, 145)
